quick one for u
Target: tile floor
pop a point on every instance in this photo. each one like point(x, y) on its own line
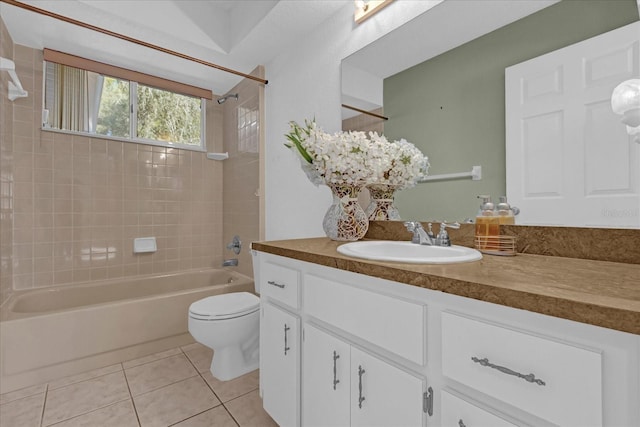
point(171, 388)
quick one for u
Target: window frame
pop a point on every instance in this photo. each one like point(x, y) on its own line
point(134, 78)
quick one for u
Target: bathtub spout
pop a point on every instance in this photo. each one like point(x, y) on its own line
point(230, 262)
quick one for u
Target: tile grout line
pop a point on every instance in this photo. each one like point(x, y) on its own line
point(133, 402)
point(83, 380)
point(151, 361)
point(85, 413)
point(44, 404)
point(212, 390)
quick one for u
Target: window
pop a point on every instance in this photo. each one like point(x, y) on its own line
point(83, 101)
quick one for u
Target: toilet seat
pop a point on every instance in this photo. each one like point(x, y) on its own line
point(224, 306)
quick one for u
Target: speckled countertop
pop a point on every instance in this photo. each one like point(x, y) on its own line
point(600, 293)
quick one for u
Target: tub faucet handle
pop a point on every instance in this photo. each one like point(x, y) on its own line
point(235, 245)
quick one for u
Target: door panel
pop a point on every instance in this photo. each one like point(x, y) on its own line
point(326, 386)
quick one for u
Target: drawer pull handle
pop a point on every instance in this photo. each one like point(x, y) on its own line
point(360, 396)
point(529, 377)
point(286, 347)
point(336, 356)
point(279, 285)
point(461, 423)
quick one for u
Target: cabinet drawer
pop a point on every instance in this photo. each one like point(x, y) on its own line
point(457, 412)
point(396, 325)
point(280, 283)
point(554, 381)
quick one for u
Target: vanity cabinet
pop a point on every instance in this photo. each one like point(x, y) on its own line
point(344, 385)
point(280, 364)
point(368, 351)
point(556, 381)
point(279, 340)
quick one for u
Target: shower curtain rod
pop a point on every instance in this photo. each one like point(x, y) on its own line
point(361, 111)
point(130, 39)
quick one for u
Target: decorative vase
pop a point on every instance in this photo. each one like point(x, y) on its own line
point(345, 219)
point(381, 207)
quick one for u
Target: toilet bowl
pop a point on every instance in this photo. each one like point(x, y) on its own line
point(228, 324)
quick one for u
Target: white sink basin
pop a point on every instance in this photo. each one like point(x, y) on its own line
point(389, 250)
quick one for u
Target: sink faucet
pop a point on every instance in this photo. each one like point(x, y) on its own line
point(422, 237)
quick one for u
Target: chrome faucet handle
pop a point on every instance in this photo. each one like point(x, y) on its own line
point(443, 237)
point(413, 227)
point(445, 224)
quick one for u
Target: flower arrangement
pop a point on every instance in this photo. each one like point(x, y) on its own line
point(339, 158)
point(347, 161)
point(353, 158)
point(399, 163)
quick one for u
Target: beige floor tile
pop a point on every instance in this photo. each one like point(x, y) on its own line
point(248, 411)
point(84, 376)
point(160, 373)
point(119, 414)
point(227, 390)
point(200, 356)
point(216, 417)
point(24, 412)
point(150, 358)
point(83, 397)
point(174, 403)
point(22, 393)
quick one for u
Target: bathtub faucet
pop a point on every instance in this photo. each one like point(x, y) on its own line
point(230, 262)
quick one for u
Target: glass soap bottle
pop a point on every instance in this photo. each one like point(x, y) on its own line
point(505, 213)
point(487, 224)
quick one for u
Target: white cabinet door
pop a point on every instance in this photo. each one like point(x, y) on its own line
point(280, 353)
point(383, 395)
point(326, 382)
point(569, 158)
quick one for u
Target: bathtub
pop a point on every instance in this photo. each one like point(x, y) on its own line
point(54, 332)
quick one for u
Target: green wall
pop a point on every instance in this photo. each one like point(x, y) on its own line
point(452, 106)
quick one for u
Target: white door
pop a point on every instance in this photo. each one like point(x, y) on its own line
point(325, 379)
point(569, 158)
point(279, 367)
point(382, 394)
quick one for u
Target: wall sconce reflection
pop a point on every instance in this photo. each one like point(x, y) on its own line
point(625, 101)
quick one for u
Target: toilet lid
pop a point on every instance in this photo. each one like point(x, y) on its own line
point(225, 306)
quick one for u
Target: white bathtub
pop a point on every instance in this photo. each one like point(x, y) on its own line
point(50, 333)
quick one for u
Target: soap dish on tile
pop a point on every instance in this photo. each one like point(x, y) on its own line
point(496, 245)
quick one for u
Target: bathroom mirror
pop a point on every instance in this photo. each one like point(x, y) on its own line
point(466, 129)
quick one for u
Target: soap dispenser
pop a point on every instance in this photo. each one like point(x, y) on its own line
point(505, 213)
point(487, 222)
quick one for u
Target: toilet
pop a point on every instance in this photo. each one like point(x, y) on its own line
point(228, 324)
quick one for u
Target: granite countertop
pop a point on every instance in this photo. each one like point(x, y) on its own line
point(600, 293)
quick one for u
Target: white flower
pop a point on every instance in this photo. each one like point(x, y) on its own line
point(339, 158)
point(397, 163)
point(353, 158)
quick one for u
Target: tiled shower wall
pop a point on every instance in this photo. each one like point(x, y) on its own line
point(6, 172)
point(77, 202)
